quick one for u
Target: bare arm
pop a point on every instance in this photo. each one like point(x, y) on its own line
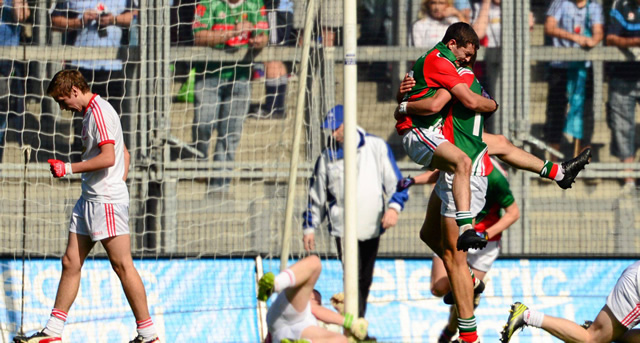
point(326, 315)
point(105, 159)
point(427, 177)
point(622, 42)
point(127, 159)
point(473, 101)
point(597, 35)
point(551, 29)
point(482, 21)
point(212, 38)
point(21, 10)
point(511, 215)
point(122, 19)
point(63, 22)
point(405, 86)
point(463, 15)
point(430, 105)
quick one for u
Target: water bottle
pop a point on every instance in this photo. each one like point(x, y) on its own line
point(133, 31)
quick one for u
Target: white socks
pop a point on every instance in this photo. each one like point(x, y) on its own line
point(146, 329)
point(55, 325)
point(533, 318)
point(284, 280)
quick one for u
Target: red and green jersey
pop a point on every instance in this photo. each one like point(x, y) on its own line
point(498, 196)
point(433, 70)
point(219, 15)
point(463, 127)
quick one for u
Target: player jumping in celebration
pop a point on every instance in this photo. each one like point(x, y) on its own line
point(491, 221)
point(445, 64)
point(563, 173)
point(458, 124)
point(612, 324)
point(293, 317)
point(102, 212)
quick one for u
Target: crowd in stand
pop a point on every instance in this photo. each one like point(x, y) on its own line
point(222, 92)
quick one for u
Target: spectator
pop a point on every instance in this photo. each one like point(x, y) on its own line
point(377, 178)
point(571, 24)
point(624, 83)
point(14, 12)
point(437, 15)
point(96, 23)
point(486, 19)
point(487, 22)
point(280, 16)
point(222, 90)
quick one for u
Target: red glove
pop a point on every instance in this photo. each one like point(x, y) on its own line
point(59, 168)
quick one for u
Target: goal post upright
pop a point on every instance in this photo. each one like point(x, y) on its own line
point(297, 136)
point(350, 157)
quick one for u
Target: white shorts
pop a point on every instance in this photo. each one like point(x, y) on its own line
point(283, 321)
point(444, 191)
point(624, 300)
point(99, 220)
point(483, 259)
point(420, 144)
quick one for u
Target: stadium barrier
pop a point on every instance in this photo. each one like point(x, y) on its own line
point(213, 300)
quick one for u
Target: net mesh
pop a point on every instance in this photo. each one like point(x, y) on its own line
point(216, 186)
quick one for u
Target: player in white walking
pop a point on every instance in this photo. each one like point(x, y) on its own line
point(613, 323)
point(293, 317)
point(102, 212)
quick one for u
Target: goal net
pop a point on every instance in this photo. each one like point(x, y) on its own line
point(209, 124)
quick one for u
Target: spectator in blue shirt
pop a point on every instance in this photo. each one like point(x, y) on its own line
point(571, 24)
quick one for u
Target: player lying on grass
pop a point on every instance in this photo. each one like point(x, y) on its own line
point(102, 212)
point(293, 317)
point(491, 221)
point(613, 323)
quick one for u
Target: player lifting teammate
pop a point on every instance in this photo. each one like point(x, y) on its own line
point(102, 212)
point(447, 66)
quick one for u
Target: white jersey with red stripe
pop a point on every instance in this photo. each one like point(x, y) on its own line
point(100, 126)
point(624, 299)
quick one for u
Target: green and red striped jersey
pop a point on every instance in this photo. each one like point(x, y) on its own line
point(433, 70)
point(463, 127)
point(219, 15)
point(460, 125)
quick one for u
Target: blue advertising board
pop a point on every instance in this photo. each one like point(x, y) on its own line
point(190, 300)
point(402, 309)
point(213, 300)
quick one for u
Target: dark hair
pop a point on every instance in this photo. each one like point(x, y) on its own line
point(318, 296)
point(463, 34)
point(64, 80)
